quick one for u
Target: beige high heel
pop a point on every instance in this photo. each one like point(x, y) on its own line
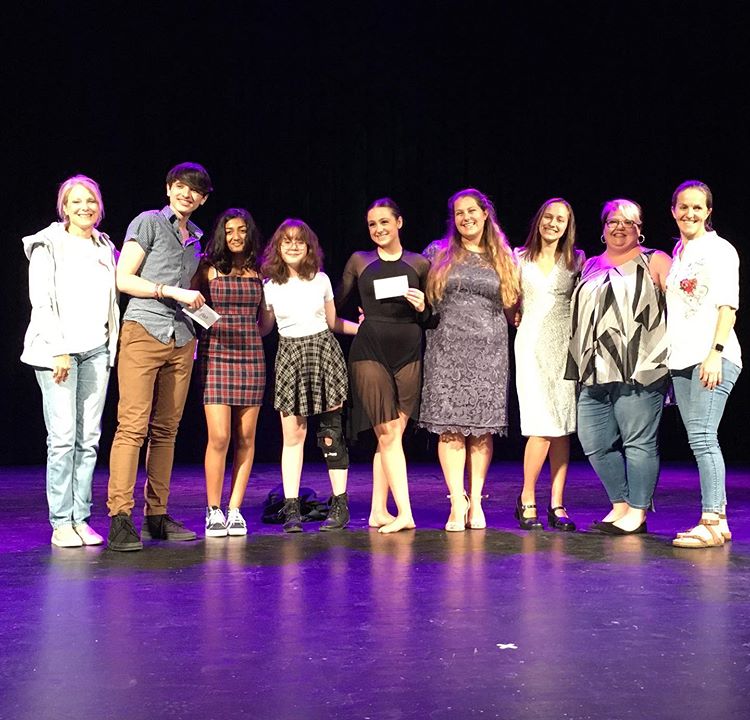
point(458, 526)
point(476, 502)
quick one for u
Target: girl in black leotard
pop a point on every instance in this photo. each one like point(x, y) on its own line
point(385, 362)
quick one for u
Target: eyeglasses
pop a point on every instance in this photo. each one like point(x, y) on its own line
point(627, 224)
point(287, 242)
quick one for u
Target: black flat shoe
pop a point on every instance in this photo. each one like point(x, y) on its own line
point(612, 529)
point(599, 524)
point(556, 522)
point(525, 523)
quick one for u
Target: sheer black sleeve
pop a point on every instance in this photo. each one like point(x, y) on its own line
point(347, 292)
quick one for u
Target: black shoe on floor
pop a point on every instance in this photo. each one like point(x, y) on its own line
point(559, 522)
point(165, 527)
point(612, 529)
point(123, 537)
point(526, 523)
point(291, 515)
point(338, 515)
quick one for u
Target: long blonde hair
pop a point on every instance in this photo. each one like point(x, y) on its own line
point(493, 242)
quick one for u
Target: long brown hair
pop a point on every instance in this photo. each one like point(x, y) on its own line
point(533, 245)
point(493, 241)
point(274, 267)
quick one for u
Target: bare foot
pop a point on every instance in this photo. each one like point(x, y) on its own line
point(614, 515)
point(378, 519)
point(402, 522)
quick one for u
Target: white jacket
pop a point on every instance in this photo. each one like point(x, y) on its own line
point(47, 264)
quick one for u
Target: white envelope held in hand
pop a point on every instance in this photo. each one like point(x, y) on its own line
point(391, 287)
point(205, 316)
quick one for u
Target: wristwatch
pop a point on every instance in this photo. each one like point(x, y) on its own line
point(719, 347)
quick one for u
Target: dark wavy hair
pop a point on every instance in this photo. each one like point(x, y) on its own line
point(219, 255)
point(533, 245)
point(274, 267)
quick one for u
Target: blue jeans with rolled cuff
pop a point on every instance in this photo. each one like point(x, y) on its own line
point(618, 426)
point(701, 410)
point(72, 415)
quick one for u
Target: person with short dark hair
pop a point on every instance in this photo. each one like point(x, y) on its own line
point(310, 372)
point(159, 257)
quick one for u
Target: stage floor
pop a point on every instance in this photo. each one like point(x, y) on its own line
point(494, 623)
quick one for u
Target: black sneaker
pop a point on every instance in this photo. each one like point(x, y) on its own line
point(123, 537)
point(291, 515)
point(338, 515)
point(164, 527)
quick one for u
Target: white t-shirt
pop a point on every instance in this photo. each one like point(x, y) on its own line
point(704, 276)
point(299, 305)
point(84, 294)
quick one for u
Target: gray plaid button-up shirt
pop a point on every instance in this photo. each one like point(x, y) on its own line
point(167, 261)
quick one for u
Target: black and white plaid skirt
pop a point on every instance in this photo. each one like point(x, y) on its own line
point(310, 374)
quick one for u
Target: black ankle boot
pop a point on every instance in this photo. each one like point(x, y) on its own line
point(291, 515)
point(338, 514)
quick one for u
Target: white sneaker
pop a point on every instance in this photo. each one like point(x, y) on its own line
point(236, 524)
point(216, 524)
point(64, 536)
point(87, 534)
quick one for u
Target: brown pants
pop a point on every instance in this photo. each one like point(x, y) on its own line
point(154, 379)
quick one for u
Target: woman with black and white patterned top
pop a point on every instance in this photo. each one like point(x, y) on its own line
point(618, 354)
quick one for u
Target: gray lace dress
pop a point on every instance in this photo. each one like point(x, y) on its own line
point(465, 385)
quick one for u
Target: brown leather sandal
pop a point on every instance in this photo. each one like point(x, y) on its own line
point(726, 534)
point(693, 540)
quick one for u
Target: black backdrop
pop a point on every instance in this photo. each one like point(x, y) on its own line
point(314, 109)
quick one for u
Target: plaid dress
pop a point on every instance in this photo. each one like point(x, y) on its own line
point(233, 367)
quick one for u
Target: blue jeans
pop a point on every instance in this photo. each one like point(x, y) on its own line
point(701, 410)
point(72, 415)
point(618, 426)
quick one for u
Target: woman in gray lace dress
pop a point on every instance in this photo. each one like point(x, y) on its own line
point(471, 283)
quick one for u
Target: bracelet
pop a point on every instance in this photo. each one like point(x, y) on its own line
point(159, 291)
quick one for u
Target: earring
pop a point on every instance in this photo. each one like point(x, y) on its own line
point(602, 240)
point(641, 239)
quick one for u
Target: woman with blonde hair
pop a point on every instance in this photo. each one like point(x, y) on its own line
point(618, 356)
point(71, 343)
point(472, 282)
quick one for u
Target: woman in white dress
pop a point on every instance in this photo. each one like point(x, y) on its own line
point(549, 265)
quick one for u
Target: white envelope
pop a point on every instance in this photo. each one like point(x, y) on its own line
point(205, 316)
point(391, 287)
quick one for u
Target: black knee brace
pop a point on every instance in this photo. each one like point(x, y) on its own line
point(335, 454)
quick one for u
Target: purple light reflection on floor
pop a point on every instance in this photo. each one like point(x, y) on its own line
point(425, 624)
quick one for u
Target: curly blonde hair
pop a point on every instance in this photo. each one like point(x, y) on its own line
point(493, 242)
